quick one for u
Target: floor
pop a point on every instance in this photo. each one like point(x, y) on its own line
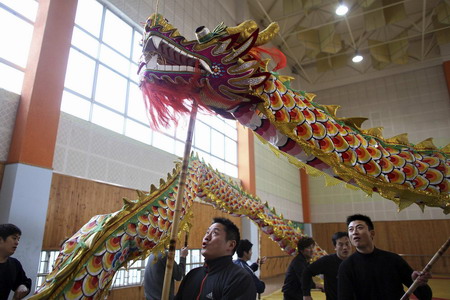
point(440, 284)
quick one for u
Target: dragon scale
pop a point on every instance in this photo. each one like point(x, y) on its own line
point(89, 259)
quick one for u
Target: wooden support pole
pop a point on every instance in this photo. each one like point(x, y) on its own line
point(427, 268)
point(178, 205)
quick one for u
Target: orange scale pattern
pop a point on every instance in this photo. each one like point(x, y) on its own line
point(319, 130)
point(340, 144)
point(410, 171)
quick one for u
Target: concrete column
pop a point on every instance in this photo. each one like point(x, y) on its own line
point(28, 172)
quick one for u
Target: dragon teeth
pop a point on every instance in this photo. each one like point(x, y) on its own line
point(156, 41)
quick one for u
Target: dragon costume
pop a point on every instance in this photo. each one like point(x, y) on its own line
point(224, 72)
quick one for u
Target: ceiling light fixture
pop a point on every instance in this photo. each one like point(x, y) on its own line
point(342, 9)
point(357, 57)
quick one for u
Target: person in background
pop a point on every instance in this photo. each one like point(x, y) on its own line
point(371, 273)
point(292, 288)
point(219, 278)
point(12, 275)
point(244, 253)
point(154, 274)
point(328, 265)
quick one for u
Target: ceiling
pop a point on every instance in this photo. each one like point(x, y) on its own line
point(391, 35)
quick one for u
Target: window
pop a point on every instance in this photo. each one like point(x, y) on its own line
point(16, 27)
point(101, 86)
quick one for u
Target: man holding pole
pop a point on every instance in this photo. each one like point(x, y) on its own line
point(371, 273)
point(219, 278)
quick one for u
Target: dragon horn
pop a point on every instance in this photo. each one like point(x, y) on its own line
point(246, 28)
point(267, 34)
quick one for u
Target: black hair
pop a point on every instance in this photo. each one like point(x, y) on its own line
point(304, 242)
point(359, 217)
point(338, 235)
point(244, 246)
point(231, 229)
point(9, 229)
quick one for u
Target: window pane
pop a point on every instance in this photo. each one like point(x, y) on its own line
point(203, 156)
point(217, 144)
point(16, 34)
point(27, 8)
point(11, 79)
point(137, 49)
point(218, 164)
point(136, 105)
point(111, 89)
point(85, 42)
point(202, 136)
point(181, 132)
point(179, 148)
point(117, 34)
point(75, 105)
point(231, 132)
point(80, 73)
point(163, 142)
point(89, 16)
point(138, 132)
point(231, 151)
point(114, 60)
point(231, 170)
point(108, 119)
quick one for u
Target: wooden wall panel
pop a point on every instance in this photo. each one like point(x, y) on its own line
point(134, 292)
point(203, 215)
point(73, 201)
point(277, 260)
point(418, 239)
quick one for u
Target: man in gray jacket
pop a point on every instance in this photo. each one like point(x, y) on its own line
point(154, 274)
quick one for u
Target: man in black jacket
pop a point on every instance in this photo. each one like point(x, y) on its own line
point(373, 274)
point(219, 278)
point(328, 265)
point(12, 275)
point(292, 288)
point(244, 253)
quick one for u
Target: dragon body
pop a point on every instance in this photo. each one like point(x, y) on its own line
point(88, 260)
point(224, 72)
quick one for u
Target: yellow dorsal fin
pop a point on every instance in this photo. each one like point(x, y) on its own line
point(446, 149)
point(375, 131)
point(310, 96)
point(426, 145)
point(332, 109)
point(399, 139)
point(353, 122)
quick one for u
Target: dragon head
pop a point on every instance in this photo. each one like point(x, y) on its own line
point(218, 70)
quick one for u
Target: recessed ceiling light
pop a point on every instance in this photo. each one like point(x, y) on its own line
point(357, 58)
point(342, 9)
